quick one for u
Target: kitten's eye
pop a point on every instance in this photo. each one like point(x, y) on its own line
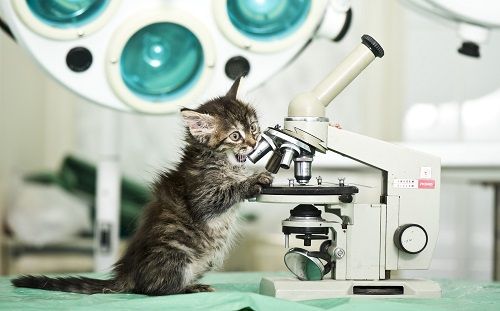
point(254, 128)
point(235, 136)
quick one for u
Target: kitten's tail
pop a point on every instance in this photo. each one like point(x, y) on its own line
point(79, 284)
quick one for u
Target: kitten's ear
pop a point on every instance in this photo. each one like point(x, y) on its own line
point(233, 91)
point(200, 125)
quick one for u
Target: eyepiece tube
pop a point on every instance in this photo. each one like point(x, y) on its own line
point(313, 103)
point(348, 70)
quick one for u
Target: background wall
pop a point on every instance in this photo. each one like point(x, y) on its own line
point(40, 121)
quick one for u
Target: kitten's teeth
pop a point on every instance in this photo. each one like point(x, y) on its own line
point(241, 158)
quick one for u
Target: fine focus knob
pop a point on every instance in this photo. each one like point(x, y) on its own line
point(411, 238)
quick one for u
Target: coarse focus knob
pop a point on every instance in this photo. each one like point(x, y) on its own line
point(373, 45)
point(411, 238)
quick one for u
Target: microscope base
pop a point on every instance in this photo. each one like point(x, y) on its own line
point(293, 289)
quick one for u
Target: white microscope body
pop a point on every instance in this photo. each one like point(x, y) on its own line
point(363, 242)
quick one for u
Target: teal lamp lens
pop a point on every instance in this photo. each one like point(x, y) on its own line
point(267, 19)
point(161, 61)
point(67, 13)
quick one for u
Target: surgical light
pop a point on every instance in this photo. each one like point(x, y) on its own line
point(62, 19)
point(268, 26)
point(155, 56)
point(267, 19)
point(64, 13)
point(161, 61)
point(474, 19)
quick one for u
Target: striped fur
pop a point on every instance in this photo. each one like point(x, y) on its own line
point(191, 223)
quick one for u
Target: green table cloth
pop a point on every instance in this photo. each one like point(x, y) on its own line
point(236, 291)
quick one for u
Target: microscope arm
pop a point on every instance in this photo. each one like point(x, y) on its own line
point(399, 161)
point(410, 189)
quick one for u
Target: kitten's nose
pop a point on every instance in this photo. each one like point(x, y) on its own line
point(251, 142)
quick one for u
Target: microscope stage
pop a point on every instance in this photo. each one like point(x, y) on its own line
point(309, 190)
point(307, 194)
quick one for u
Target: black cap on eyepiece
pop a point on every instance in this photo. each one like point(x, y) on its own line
point(373, 45)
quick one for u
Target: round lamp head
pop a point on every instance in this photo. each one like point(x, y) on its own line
point(157, 56)
point(267, 19)
point(161, 61)
point(67, 13)
point(267, 26)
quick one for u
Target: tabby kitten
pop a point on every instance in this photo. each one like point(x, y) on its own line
point(191, 222)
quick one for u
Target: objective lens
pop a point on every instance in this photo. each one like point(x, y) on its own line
point(267, 19)
point(273, 165)
point(288, 155)
point(67, 13)
point(161, 61)
point(302, 171)
point(262, 148)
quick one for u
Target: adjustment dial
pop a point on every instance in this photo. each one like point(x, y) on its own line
point(411, 238)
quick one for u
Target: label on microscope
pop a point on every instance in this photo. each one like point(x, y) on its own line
point(426, 172)
point(405, 183)
point(426, 184)
point(408, 183)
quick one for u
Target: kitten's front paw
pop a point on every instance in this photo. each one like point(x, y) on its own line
point(256, 182)
point(253, 191)
point(264, 179)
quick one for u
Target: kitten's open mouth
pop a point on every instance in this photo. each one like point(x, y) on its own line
point(241, 158)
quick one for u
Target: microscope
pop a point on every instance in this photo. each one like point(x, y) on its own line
point(363, 242)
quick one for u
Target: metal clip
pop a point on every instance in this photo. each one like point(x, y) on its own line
point(341, 181)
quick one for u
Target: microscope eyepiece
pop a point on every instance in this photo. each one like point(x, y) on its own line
point(373, 45)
